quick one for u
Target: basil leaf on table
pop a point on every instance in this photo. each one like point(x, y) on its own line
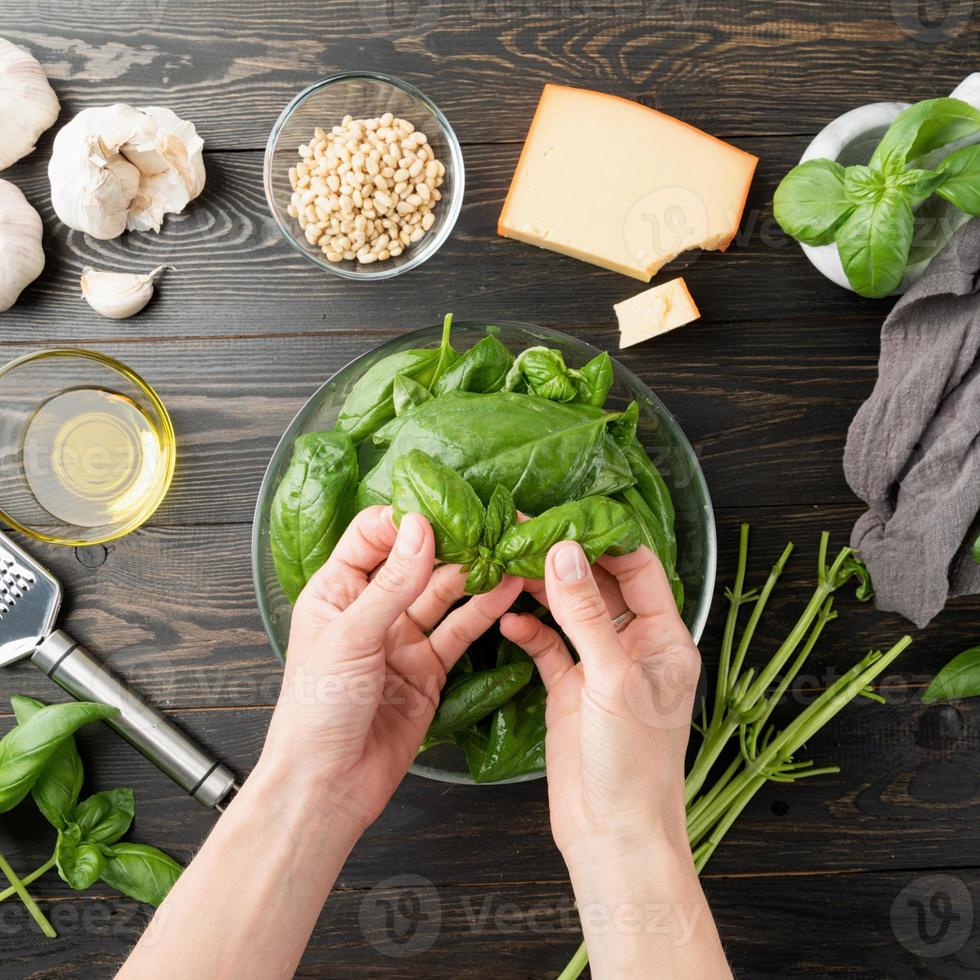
point(104, 817)
point(874, 244)
point(599, 524)
point(961, 186)
point(477, 695)
point(922, 128)
point(140, 871)
point(26, 749)
point(406, 394)
point(371, 400)
point(960, 678)
point(80, 863)
point(517, 735)
point(594, 380)
point(312, 507)
point(810, 203)
point(59, 783)
point(543, 371)
point(423, 485)
point(483, 368)
point(544, 452)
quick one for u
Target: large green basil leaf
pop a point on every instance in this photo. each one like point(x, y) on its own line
point(312, 507)
point(594, 380)
point(483, 368)
point(104, 817)
point(542, 370)
point(960, 678)
point(140, 871)
point(599, 524)
point(79, 862)
point(477, 695)
point(26, 749)
point(922, 128)
point(653, 488)
point(544, 452)
point(516, 743)
point(59, 783)
point(371, 400)
point(810, 203)
point(961, 186)
point(423, 485)
point(874, 244)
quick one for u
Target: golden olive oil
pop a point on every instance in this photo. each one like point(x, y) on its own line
point(92, 457)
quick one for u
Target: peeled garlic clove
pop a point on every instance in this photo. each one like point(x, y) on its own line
point(21, 254)
point(29, 103)
point(118, 295)
point(118, 167)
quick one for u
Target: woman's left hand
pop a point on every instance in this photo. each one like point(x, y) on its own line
point(369, 650)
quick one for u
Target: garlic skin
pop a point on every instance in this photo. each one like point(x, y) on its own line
point(29, 103)
point(118, 295)
point(117, 168)
point(21, 254)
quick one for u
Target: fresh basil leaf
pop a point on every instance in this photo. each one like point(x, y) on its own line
point(140, 871)
point(960, 678)
point(544, 373)
point(862, 185)
point(477, 695)
point(976, 551)
point(474, 744)
point(406, 394)
point(501, 514)
point(922, 128)
point(918, 185)
point(104, 817)
point(623, 429)
point(484, 574)
point(962, 179)
point(26, 749)
point(79, 862)
point(517, 736)
point(810, 203)
point(874, 244)
point(600, 525)
point(58, 785)
point(594, 380)
point(483, 368)
point(312, 507)
point(422, 485)
point(371, 404)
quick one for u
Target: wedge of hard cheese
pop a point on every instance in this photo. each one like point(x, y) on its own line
point(627, 188)
point(654, 312)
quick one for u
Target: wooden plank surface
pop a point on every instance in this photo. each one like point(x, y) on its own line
point(765, 385)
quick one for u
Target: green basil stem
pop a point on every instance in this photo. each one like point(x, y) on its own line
point(31, 906)
point(30, 879)
point(735, 597)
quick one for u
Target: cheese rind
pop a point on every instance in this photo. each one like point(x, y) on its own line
point(622, 186)
point(654, 312)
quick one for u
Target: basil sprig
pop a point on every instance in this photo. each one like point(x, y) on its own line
point(868, 210)
point(39, 757)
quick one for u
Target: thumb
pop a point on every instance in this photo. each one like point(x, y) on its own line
point(397, 584)
point(578, 606)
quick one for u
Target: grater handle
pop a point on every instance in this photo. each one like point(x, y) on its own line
point(75, 670)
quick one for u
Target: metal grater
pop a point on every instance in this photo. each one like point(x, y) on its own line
point(30, 598)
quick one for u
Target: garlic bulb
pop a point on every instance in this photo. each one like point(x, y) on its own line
point(21, 254)
point(118, 295)
point(29, 103)
point(118, 167)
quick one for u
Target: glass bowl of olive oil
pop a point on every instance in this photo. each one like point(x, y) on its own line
point(87, 449)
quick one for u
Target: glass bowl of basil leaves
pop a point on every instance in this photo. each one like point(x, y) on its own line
point(659, 444)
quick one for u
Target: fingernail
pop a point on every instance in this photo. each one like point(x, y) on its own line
point(570, 564)
point(410, 536)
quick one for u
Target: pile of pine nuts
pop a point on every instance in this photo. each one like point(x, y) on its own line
point(367, 189)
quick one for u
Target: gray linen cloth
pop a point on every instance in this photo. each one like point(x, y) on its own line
point(913, 449)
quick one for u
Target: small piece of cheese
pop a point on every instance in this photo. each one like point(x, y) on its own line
point(655, 311)
point(625, 187)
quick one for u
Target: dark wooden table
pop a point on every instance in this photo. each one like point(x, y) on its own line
point(765, 386)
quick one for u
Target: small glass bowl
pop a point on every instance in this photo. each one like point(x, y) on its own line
point(363, 95)
point(26, 384)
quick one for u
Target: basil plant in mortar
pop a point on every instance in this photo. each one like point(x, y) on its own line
point(870, 211)
point(505, 456)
